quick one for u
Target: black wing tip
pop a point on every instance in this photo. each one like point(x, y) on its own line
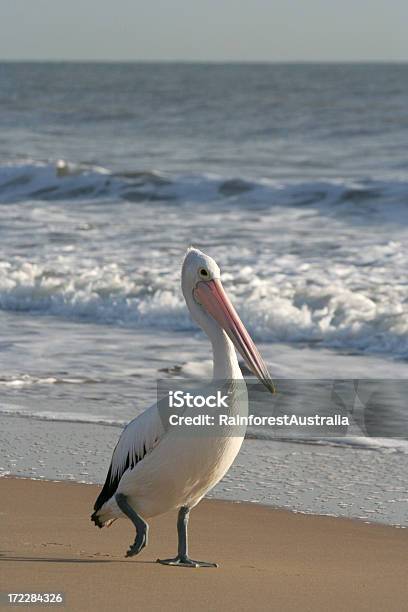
point(110, 487)
point(95, 519)
point(107, 491)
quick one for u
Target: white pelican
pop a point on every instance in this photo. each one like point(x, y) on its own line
point(153, 468)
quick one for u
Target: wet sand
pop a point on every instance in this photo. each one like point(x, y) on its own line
point(269, 559)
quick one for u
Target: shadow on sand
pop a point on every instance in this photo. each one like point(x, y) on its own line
point(10, 557)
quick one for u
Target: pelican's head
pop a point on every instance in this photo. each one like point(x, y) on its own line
point(209, 304)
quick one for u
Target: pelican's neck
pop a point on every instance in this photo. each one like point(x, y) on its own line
point(225, 362)
point(227, 370)
point(224, 356)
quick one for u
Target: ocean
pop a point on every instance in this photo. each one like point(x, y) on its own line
point(294, 177)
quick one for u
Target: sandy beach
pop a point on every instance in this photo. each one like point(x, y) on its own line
point(268, 558)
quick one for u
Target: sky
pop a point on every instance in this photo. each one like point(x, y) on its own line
point(204, 30)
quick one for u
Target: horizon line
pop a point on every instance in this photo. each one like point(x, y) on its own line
point(199, 61)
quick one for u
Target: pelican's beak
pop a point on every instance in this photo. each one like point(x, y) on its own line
point(211, 295)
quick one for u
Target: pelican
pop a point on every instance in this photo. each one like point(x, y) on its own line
point(153, 468)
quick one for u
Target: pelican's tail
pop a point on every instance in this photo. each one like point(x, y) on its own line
point(106, 514)
point(106, 509)
point(95, 519)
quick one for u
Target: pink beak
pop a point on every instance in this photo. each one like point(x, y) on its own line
point(211, 295)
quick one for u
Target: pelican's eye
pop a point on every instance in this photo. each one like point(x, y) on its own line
point(204, 273)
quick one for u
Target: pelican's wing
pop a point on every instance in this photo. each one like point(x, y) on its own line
point(138, 438)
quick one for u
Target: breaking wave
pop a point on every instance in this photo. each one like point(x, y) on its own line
point(65, 181)
point(313, 298)
point(289, 309)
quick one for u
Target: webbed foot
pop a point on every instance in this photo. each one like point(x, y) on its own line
point(139, 543)
point(184, 561)
point(142, 528)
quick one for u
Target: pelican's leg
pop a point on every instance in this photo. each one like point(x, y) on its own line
point(182, 558)
point(142, 528)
